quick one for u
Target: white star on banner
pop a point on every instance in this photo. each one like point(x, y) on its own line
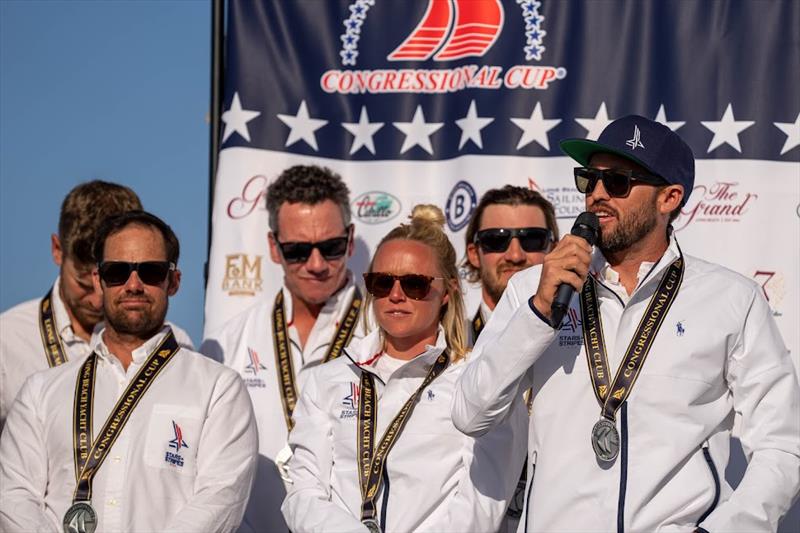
point(471, 126)
point(236, 119)
point(661, 117)
point(302, 126)
point(792, 131)
point(418, 132)
point(726, 130)
point(596, 125)
point(363, 130)
point(535, 128)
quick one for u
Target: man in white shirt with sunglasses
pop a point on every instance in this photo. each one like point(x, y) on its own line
point(308, 321)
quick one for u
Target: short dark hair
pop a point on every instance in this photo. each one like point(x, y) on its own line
point(83, 211)
point(509, 195)
point(119, 222)
point(307, 184)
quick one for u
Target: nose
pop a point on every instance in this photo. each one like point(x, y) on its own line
point(397, 294)
point(134, 283)
point(599, 193)
point(514, 252)
point(316, 264)
point(95, 299)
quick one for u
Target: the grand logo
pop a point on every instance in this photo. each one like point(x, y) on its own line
point(252, 197)
point(449, 30)
point(720, 202)
point(242, 275)
point(375, 207)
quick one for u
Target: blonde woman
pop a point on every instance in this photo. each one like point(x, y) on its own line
point(374, 448)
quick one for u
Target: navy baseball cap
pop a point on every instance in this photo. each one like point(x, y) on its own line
point(645, 142)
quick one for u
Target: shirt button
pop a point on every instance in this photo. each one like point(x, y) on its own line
point(117, 458)
point(112, 502)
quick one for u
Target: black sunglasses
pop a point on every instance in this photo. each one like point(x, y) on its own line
point(497, 240)
point(299, 252)
point(616, 182)
point(150, 272)
point(415, 286)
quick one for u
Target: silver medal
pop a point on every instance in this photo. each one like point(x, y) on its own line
point(80, 518)
point(605, 440)
point(372, 525)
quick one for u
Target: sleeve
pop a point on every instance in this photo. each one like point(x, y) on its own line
point(23, 467)
point(496, 374)
point(226, 462)
point(492, 466)
point(765, 392)
point(308, 507)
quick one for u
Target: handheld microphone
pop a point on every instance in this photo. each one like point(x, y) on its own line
point(587, 226)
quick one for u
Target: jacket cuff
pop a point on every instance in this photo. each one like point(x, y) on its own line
point(537, 313)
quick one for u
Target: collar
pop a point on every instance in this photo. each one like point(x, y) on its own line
point(332, 308)
point(648, 271)
point(63, 320)
point(486, 313)
point(139, 354)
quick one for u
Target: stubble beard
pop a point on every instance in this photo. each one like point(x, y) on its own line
point(141, 325)
point(631, 228)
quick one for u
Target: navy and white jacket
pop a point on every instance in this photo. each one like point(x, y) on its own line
point(717, 358)
point(436, 478)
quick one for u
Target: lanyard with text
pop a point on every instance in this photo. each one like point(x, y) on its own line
point(611, 395)
point(90, 453)
point(477, 325)
point(53, 348)
point(283, 358)
point(371, 460)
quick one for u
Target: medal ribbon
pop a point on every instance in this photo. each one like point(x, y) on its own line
point(87, 463)
point(283, 354)
point(51, 340)
point(611, 395)
point(477, 325)
point(371, 460)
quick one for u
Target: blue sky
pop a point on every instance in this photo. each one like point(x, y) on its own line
point(108, 90)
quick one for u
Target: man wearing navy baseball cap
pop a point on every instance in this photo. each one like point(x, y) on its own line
point(634, 397)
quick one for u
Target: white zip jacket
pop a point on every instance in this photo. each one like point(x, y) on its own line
point(183, 462)
point(437, 479)
point(718, 352)
point(245, 344)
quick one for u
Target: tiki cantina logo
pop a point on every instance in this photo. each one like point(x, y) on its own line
point(448, 30)
point(721, 202)
point(242, 275)
point(375, 207)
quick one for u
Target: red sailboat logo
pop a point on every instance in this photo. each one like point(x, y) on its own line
point(456, 28)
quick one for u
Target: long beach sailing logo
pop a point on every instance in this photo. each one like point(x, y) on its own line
point(449, 30)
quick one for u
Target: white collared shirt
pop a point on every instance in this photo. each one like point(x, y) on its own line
point(245, 344)
point(136, 488)
point(22, 352)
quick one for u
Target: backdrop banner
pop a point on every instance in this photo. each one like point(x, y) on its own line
point(437, 101)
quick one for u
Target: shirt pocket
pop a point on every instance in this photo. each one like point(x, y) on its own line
point(173, 437)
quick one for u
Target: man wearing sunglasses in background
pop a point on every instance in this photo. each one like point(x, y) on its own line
point(159, 437)
point(309, 320)
point(49, 331)
point(632, 414)
point(511, 229)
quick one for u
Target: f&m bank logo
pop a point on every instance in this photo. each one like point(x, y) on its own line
point(448, 30)
point(242, 275)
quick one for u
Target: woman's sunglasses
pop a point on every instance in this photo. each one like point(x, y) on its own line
point(497, 240)
point(415, 286)
point(299, 252)
point(616, 182)
point(150, 272)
